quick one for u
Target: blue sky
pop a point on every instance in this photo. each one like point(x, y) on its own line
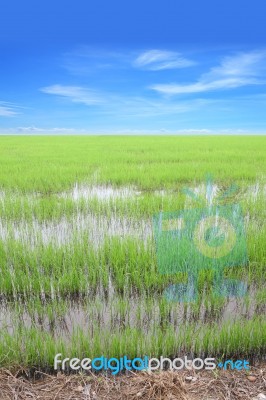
point(132, 67)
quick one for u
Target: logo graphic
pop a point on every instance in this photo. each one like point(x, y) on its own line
point(191, 240)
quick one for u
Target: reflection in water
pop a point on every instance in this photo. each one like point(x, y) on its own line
point(64, 316)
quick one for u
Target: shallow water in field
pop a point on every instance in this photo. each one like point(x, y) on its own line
point(133, 312)
point(254, 191)
point(110, 312)
point(64, 231)
point(100, 192)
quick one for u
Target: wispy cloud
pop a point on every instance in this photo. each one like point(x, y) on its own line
point(126, 131)
point(8, 110)
point(34, 130)
point(239, 70)
point(156, 60)
point(120, 104)
point(76, 94)
point(141, 107)
point(84, 60)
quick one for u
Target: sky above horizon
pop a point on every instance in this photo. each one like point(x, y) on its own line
point(140, 67)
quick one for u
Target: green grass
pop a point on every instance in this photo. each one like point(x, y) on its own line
point(99, 254)
point(51, 164)
point(33, 347)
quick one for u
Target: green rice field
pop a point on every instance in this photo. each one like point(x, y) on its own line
point(78, 264)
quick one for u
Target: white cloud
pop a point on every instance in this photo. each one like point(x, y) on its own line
point(7, 110)
point(156, 60)
point(125, 106)
point(141, 107)
point(242, 64)
point(199, 87)
point(31, 130)
point(76, 94)
point(240, 70)
point(38, 131)
point(84, 60)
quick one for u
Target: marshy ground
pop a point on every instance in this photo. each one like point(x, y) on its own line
point(78, 262)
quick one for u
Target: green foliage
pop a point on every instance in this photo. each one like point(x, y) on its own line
point(79, 274)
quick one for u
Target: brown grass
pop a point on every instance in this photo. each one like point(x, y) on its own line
point(166, 385)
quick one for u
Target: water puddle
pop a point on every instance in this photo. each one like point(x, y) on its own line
point(64, 317)
point(64, 231)
point(97, 227)
point(100, 192)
